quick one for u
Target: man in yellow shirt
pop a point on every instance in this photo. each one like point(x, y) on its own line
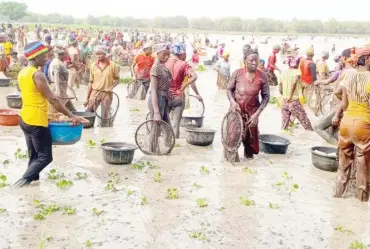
point(36, 96)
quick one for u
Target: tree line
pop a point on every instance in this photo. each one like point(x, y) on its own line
point(16, 11)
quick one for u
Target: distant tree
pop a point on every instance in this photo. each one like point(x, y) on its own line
point(14, 10)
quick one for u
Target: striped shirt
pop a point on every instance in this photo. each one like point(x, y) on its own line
point(357, 85)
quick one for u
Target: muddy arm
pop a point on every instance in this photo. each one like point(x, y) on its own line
point(231, 86)
point(265, 93)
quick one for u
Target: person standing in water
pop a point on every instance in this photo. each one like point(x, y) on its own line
point(222, 68)
point(244, 89)
point(289, 80)
point(181, 73)
point(354, 133)
point(36, 96)
point(308, 72)
point(271, 66)
point(322, 66)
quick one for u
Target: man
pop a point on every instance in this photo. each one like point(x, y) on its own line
point(322, 66)
point(104, 77)
point(36, 96)
point(308, 72)
point(140, 68)
point(271, 66)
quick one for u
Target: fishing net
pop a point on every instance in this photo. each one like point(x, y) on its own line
point(325, 102)
point(136, 90)
point(232, 132)
point(193, 107)
point(155, 138)
point(106, 109)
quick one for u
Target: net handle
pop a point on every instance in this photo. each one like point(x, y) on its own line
point(224, 143)
point(115, 113)
point(146, 126)
point(203, 106)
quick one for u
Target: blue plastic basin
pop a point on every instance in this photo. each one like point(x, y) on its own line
point(64, 133)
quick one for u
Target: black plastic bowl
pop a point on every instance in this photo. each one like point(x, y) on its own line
point(118, 153)
point(14, 101)
point(273, 144)
point(324, 158)
point(87, 115)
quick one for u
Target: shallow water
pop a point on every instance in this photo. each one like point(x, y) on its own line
point(306, 218)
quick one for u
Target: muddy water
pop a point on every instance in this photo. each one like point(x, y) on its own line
point(306, 218)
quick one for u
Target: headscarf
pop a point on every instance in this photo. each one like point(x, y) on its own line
point(325, 54)
point(48, 38)
point(101, 48)
point(262, 61)
point(294, 61)
point(178, 48)
point(147, 45)
point(226, 54)
point(72, 41)
point(276, 47)
point(162, 47)
point(34, 49)
point(362, 51)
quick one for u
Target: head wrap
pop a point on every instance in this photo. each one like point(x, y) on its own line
point(249, 52)
point(226, 54)
point(362, 51)
point(277, 47)
point(162, 47)
point(101, 48)
point(294, 61)
point(72, 41)
point(59, 51)
point(48, 38)
point(34, 49)
point(325, 54)
point(310, 51)
point(178, 48)
point(147, 45)
point(262, 61)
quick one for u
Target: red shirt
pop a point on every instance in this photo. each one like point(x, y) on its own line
point(195, 58)
point(179, 70)
point(144, 64)
point(271, 61)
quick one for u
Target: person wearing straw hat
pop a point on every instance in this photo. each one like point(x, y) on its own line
point(36, 96)
point(223, 71)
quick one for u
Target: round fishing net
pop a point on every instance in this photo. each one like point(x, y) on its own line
point(107, 105)
point(232, 131)
point(136, 90)
point(325, 103)
point(155, 138)
point(193, 107)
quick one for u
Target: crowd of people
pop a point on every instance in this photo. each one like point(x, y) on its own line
point(159, 67)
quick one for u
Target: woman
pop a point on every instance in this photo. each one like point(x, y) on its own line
point(34, 114)
point(181, 73)
point(160, 81)
point(290, 105)
point(354, 133)
point(73, 54)
point(243, 90)
point(271, 66)
point(223, 71)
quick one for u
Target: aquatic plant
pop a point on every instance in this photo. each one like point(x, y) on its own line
point(204, 170)
point(3, 181)
point(273, 205)
point(172, 193)
point(81, 176)
point(143, 200)
point(343, 230)
point(64, 184)
point(126, 80)
point(201, 68)
point(97, 212)
point(246, 202)
point(69, 211)
point(196, 185)
point(357, 245)
point(18, 154)
point(273, 100)
point(158, 177)
point(53, 174)
point(6, 162)
point(200, 235)
point(202, 202)
point(249, 171)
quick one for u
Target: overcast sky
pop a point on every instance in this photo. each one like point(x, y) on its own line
point(321, 9)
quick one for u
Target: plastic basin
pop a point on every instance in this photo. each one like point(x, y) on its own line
point(9, 117)
point(118, 153)
point(14, 101)
point(200, 137)
point(64, 133)
point(90, 116)
point(324, 158)
point(192, 122)
point(273, 144)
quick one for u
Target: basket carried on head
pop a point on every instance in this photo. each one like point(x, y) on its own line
point(232, 128)
point(155, 137)
point(106, 114)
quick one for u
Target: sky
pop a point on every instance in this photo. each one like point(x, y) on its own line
point(283, 10)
